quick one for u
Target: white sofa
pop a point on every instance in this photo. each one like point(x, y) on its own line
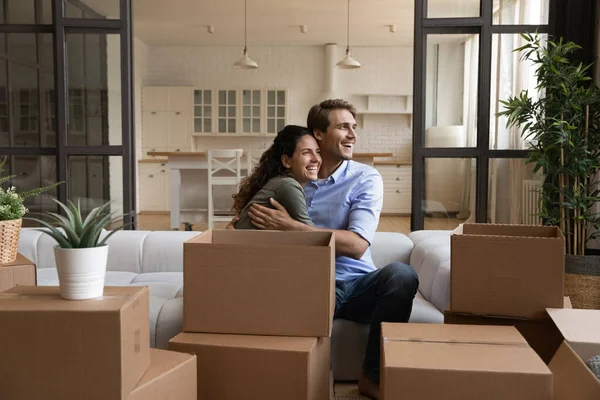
point(155, 259)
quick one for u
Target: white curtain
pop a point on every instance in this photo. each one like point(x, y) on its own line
point(470, 123)
point(510, 76)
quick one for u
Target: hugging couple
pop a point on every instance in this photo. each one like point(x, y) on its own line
point(307, 181)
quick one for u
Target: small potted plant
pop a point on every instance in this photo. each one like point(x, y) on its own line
point(12, 210)
point(81, 253)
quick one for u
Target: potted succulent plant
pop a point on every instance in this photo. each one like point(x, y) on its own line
point(12, 210)
point(563, 127)
point(81, 253)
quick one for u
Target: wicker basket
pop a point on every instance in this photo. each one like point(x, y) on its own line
point(582, 281)
point(9, 240)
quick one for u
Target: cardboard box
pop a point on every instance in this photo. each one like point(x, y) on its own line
point(53, 348)
point(573, 380)
point(437, 361)
point(506, 270)
point(19, 272)
point(171, 376)
point(541, 334)
point(259, 282)
point(244, 367)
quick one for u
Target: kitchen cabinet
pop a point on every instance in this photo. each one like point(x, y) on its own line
point(166, 118)
point(397, 191)
point(154, 187)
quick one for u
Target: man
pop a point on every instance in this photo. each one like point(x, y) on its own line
point(347, 199)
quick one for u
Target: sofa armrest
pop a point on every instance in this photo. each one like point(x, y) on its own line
point(430, 258)
point(388, 247)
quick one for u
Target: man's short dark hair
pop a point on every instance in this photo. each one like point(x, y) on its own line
point(318, 116)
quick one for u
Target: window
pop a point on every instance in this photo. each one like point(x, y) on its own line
point(243, 112)
point(276, 110)
point(462, 72)
point(251, 111)
point(203, 111)
point(227, 111)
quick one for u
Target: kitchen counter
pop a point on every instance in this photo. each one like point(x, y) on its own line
point(395, 161)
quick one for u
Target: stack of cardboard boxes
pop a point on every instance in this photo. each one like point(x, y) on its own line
point(19, 272)
point(51, 348)
point(509, 275)
point(509, 332)
point(258, 310)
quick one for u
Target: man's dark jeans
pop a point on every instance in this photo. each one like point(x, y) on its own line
point(383, 295)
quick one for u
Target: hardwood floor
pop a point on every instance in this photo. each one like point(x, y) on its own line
point(401, 224)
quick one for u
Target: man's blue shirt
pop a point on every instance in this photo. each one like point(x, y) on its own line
point(350, 199)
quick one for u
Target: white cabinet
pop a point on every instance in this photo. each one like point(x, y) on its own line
point(397, 191)
point(155, 130)
point(178, 134)
point(180, 98)
point(166, 118)
point(155, 98)
point(154, 187)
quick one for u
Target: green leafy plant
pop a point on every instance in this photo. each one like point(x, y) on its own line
point(11, 202)
point(78, 232)
point(563, 129)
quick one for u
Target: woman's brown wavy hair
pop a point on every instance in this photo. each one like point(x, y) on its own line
point(269, 166)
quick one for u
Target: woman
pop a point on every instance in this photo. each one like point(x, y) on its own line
point(292, 161)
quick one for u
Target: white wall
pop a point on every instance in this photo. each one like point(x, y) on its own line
point(302, 71)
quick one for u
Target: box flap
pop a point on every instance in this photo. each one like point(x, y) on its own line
point(580, 328)
point(204, 237)
point(270, 238)
point(530, 231)
point(573, 380)
point(276, 343)
point(446, 333)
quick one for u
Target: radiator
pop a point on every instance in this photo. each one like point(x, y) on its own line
point(530, 200)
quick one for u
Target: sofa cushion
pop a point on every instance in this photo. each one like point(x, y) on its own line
point(163, 251)
point(424, 312)
point(169, 322)
point(121, 254)
point(389, 247)
point(431, 260)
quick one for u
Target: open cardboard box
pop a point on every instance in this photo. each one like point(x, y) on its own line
point(506, 270)
point(542, 334)
point(573, 380)
point(259, 282)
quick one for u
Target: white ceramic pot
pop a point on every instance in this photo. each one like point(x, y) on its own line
point(81, 272)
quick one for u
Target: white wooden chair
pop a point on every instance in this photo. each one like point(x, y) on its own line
point(252, 158)
point(224, 169)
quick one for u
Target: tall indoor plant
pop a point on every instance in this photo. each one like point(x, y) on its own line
point(563, 129)
point(12, 210)
point(81, 253)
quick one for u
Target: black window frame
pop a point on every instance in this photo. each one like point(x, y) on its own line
point(59, 28)
point(484, 27)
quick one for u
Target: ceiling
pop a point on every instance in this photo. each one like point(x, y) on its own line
point(277, 22)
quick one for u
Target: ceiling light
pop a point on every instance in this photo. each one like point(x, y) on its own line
point(246, 62)
point(348, 62)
